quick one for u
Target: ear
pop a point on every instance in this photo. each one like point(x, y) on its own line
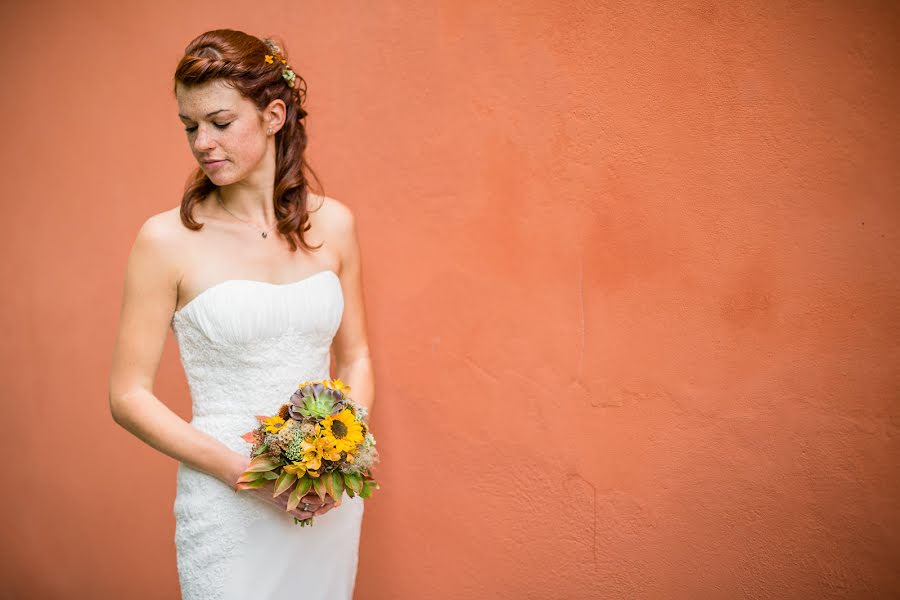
point(274, 114)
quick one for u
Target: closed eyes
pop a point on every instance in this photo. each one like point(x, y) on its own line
point(216, 124)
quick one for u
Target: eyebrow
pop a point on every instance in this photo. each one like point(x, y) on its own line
point(207, 114)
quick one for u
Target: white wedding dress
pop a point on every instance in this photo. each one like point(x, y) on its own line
point(245, 346)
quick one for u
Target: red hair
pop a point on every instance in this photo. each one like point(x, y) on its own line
point(239, 58)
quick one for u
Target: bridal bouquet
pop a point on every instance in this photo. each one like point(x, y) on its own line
point(318, 441)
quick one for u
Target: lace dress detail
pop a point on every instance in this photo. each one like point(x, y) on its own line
point(245, 346)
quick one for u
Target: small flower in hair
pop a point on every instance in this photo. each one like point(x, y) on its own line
point(289, 76)
point(269, 58)
point(283, 61)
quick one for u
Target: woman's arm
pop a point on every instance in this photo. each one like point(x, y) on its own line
point(351, 348)
point(149, 300)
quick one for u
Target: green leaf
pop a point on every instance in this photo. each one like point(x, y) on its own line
point(284, 482)
point(319, 486)
point(337, 485)
point(263, 463)
point(353, 482)
point(270, 475)
point(294, 498)
point(261, 449)
point(248, 476)
point(305, 483)
point(302, 488)
point(252, 485)
point(329, 483)
point(368, 486)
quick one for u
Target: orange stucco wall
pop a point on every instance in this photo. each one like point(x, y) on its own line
point(631, 272)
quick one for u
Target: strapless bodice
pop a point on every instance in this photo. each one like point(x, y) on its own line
point(245, 345)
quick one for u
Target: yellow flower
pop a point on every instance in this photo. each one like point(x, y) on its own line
point(297, 469)
point(342, 431)
point(274, 424)
point(269, 58)
point(316, 450)
point(283, 61)
point(337, 384)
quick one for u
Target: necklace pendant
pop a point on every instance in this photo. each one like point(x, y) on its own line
point(264, 234)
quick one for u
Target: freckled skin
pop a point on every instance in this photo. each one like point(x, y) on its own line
point(242, 143)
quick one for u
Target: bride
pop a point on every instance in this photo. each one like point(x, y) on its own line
point(260, 280)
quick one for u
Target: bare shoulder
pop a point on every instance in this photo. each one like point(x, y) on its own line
point(335, 221)
point(161, 225)
point(334, 216)
point(158, 241)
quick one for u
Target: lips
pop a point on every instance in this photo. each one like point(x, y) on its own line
point(214, 165)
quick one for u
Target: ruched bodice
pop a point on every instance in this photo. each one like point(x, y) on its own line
point(245, 346)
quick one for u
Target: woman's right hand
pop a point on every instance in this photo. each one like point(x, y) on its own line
point(317, 507)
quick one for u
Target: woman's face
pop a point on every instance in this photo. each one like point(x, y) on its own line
point(225, 131)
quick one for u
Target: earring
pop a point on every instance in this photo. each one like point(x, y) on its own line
point(269, 131)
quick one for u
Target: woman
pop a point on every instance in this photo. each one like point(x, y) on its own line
point(258, 278)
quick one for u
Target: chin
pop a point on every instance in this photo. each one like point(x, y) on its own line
point(221, 179)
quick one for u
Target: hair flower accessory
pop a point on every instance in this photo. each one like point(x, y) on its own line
point(287, 73)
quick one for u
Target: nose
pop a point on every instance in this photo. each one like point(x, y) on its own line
point(204, 141)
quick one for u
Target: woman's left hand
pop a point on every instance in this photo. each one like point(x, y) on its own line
point(318, 506)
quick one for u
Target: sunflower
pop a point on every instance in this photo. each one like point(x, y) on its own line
point(274, 424)
point(343, 431)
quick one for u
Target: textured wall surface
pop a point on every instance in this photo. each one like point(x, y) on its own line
point(631, 272)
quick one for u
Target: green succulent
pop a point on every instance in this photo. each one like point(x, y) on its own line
point(315, 401)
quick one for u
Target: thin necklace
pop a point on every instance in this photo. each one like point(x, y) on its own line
point(264, 233)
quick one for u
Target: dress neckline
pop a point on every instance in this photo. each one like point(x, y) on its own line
point(256, 281)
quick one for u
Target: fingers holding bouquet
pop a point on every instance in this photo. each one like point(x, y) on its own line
point(316, 448)
point(308, 507)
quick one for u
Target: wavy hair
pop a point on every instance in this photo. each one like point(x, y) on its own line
point(239, 59)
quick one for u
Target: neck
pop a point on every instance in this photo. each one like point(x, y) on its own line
point(251, 198)
point(256, 208)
